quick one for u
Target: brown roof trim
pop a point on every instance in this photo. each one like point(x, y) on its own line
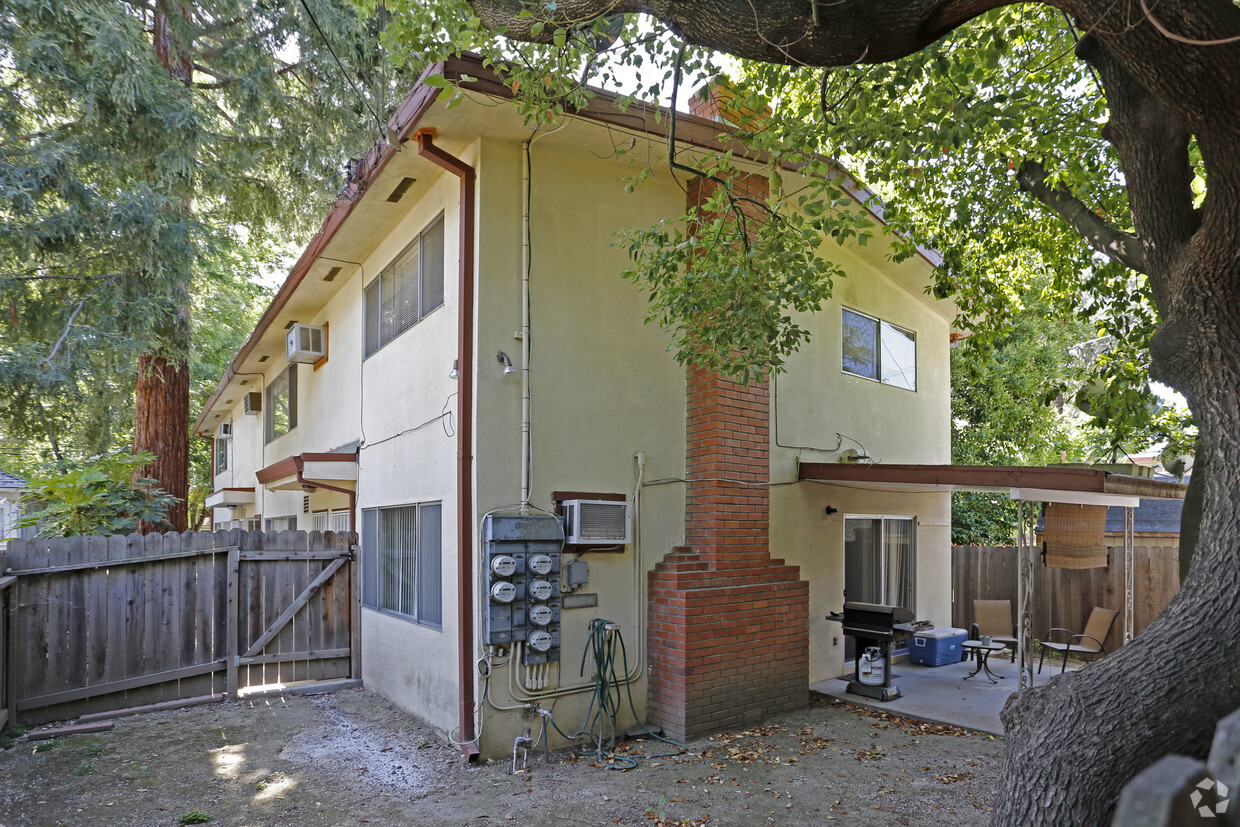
point(292, 466)
point(468, 72)
point(278, 470)
point(403, 122)
point(1089, 480)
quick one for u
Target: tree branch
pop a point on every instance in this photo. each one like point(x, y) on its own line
point(1114, 243)
point(65, 334)
point(812, 32)
point(1152, 143)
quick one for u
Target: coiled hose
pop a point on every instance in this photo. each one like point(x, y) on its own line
point(599, 733)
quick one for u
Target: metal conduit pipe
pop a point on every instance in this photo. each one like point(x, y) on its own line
point(523, 696)
point(464, 437)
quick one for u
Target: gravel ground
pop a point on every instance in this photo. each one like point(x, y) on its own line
point(352, 758)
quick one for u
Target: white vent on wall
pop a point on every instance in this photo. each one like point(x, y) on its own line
point(596, 522)
point(225, 431)
point(305, 343)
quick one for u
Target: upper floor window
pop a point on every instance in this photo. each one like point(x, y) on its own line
point(879, 350)
point(280, 404)
point(221, 455)
point(410, 287)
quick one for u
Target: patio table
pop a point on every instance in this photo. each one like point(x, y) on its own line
point(981, 652)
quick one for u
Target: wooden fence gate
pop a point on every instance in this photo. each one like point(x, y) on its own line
point(105, 623)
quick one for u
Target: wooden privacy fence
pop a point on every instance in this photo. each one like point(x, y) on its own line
point(1063, 598)
point(104, 623)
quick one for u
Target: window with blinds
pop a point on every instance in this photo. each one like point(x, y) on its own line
point(401, 561)
point(409, 288)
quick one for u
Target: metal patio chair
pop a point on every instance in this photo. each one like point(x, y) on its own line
point(994, 618)
point(1090, 642)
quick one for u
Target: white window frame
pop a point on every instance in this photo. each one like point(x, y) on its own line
point(418, 572)
point(912, 519)
point(881, 348)
point(269, 404)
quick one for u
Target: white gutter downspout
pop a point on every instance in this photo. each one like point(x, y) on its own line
point(526, 459)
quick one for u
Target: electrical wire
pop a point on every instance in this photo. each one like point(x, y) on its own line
point(344, 71)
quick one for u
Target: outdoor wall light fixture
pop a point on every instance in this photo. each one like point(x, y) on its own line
point(503, 359)
point(832, 511)
point(454, 373)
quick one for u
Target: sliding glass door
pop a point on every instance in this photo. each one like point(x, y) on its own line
point(878, 563)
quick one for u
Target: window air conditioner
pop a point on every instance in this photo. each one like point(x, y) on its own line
point(305, 343)
point(253, 403)
point(596, 522)
point(225, 431)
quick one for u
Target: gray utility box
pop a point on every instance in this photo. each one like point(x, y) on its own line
point(522, 559)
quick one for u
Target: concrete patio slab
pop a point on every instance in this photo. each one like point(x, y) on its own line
point(944, 694)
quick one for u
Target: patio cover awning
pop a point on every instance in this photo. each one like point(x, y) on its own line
point(1026, 485)
point(1083, 486)
point(334, 471)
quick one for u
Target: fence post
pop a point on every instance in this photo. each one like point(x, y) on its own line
point(8, 707)
point(233, 634)
point(355, 607)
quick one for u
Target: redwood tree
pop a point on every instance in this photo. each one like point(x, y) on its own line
point(1169, 74)
point(152, 155)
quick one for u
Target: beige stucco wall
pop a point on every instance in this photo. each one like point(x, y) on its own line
point(408, 456)
point(604, 387)
point(605, 390)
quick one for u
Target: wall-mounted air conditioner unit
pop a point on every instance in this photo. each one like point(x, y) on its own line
point(305, 343)
point(253, 403)
point(225, 431)
point(596, 522)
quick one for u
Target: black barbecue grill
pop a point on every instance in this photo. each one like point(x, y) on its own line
point(872, 624)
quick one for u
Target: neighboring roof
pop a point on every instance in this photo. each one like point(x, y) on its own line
point(1089, 486)
point(468, 72)
point(8, 481)
point(1150, 517)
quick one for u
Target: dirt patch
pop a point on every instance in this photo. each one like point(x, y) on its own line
point(352, 758)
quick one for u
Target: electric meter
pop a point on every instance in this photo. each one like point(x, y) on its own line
point(539, 641)
point(540, 564)
point(540, 589)
point(541, 615)
point(503, 566)
point(503, 592)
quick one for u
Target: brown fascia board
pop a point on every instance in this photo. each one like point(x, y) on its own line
point(291, 466)
point(1091, 480)
point(468, 72)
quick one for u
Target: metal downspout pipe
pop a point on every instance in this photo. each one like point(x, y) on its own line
point(465, 437)
point(352, 494)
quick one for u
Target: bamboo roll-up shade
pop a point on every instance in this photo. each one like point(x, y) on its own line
point(1074, 536)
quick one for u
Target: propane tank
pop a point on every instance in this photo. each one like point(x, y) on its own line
point(873, 667)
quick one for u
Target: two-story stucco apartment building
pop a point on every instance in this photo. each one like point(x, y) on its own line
point(468, 346)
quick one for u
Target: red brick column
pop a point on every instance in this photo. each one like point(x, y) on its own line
point(729, 626)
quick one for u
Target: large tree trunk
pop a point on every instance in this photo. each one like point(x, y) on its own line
point(161, 398)
point(161, 426)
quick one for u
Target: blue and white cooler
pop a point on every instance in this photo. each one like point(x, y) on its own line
point(937, 647)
